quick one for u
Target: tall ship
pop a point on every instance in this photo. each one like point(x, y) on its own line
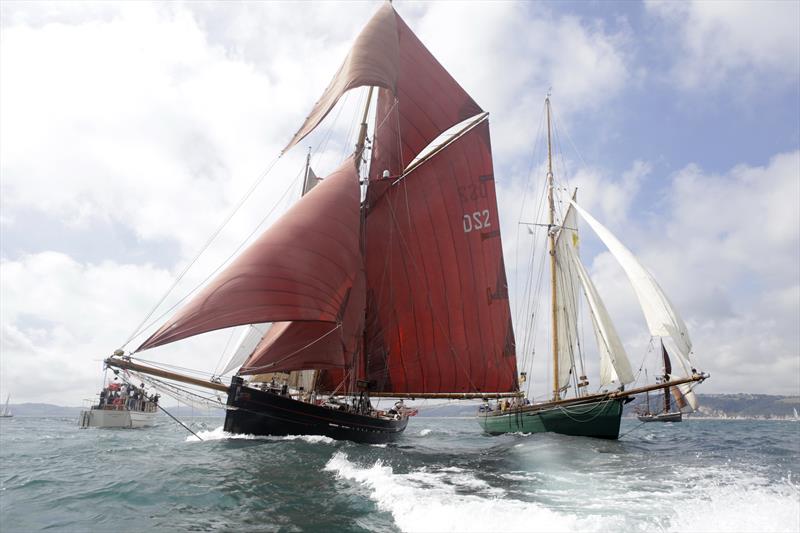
point(573, 408)
point(386, 277)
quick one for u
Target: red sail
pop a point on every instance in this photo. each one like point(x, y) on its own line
point(438, 317)
point(291, 346)
point(302, 268)
point(372, 61)
point(304, 345)
point(387, 54)
point(426, 102)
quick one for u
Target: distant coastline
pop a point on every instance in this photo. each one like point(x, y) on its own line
point(712, 407)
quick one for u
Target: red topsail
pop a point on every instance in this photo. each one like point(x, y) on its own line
point(420, 99)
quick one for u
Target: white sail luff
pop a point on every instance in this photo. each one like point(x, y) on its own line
point(247, 343)
point(567, 287)
point(614, 363)
point(662, 318)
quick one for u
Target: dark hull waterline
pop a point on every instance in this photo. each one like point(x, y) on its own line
point(257, 412)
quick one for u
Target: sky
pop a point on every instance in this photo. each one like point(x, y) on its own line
point(130, 131)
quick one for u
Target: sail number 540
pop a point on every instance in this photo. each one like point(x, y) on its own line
point(477, 220)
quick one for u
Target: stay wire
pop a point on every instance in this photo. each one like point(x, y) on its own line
point(139, 329)
point(202, 250)
point(225, 262)
point(125, 379)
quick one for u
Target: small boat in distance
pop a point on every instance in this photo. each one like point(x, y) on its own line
point(121, 406)
point(667, 414)
point(6, 412)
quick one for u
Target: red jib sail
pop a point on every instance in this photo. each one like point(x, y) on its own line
point(302, 268)
point(305, 345)
point(438, 317)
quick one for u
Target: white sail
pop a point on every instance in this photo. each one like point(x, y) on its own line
point(691, 398)
point(6, 413)
point(662, 319)
point(247, 343)
point(614, 363)
point(567, 287)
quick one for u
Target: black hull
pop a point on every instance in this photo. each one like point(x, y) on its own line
point(265, 413)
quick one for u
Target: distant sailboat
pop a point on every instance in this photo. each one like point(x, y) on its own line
point(6, 412)
point(572, 410)
point(667, 414)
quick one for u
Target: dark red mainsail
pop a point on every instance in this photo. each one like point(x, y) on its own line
point(438, 317)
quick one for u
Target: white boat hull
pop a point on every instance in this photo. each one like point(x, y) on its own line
point(112, 418)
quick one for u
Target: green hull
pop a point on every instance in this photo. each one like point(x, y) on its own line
point(598, 419)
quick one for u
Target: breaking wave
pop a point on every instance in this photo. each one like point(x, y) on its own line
point(453, 499)
point(220, 434)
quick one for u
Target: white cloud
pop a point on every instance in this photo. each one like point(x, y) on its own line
point(60, 318)
point(162, 134)
point(729, 41)
point(726, 251)
point(508, 55)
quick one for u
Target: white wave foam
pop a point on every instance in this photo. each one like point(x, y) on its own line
point(425, 501)
point(425, 432)
point(220, 434)
point(217, 434)
point(745, 506)
point(313, 439)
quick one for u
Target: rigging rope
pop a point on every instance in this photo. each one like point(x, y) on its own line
point(211, 239)
point(141, 328)
point(126, 380)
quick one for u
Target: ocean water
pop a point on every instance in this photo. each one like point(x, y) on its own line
point(443, 475)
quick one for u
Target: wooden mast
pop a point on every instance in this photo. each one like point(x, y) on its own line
point(362, 134)
point(552, 237)
point(359, 355)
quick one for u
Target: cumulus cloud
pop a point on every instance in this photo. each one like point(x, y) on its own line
point(61, 317)
point(161, 134)
point(508, 55)
point(726, 252)
point(739, 42)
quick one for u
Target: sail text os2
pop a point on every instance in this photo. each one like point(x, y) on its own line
point(400, 291)
point(593, 414)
